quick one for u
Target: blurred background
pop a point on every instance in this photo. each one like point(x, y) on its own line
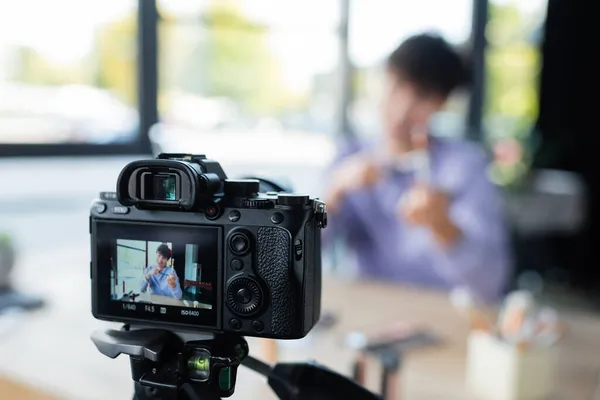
point(268, 88)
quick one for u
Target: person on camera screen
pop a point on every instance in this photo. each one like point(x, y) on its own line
point(413, 207)
point(163, 280)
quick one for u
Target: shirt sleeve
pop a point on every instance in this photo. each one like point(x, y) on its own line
point(479, 260)
point(343, 224)
point(176, 291)
point(144, 284)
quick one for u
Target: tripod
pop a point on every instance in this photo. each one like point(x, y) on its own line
point(191, 366)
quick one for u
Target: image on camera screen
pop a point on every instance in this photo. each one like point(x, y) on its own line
point(160, 273)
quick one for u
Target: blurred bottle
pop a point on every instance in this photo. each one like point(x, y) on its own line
point(516, 322)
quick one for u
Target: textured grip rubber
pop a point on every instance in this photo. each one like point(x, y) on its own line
point(274, 267)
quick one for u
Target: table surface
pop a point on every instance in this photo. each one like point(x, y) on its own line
point(446, 364)
point(165, 300)
point(10, 389)
point(67, 364)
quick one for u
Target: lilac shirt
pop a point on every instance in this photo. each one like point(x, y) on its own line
point(158, 283)
point(388, 248)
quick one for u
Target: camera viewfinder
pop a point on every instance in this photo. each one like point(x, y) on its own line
point(160, 186)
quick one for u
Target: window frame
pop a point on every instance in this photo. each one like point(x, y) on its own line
point(477, 48)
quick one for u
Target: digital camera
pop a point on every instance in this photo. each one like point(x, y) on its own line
point(180, 246)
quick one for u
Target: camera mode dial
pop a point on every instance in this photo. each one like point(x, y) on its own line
point(244, 296)
point(293, 199)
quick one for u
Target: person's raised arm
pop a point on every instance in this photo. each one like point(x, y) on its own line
point(469, 245)
point(352, 169)
point(173, 282)
point(477, 252)
point(145, 281)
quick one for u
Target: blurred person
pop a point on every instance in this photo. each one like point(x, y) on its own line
point(415, 208)
point(162, 280)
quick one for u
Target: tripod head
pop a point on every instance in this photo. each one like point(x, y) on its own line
point(200, 366)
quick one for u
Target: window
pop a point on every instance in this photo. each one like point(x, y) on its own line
point(248, 81)
point(377, 28)
point(68, 72)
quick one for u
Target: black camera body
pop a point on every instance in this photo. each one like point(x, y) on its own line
point(237, 260)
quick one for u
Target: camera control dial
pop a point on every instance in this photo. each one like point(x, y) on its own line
point(258, 203)
point(244, 296)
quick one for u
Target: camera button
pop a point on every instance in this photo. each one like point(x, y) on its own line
point(234, 216)
point(258, 326)
point(235, 324)
point(212, 212)
point(239, 244)
point(236, 264)
point(243, 296)
point(277, 218)
point(99, 207)
point(120, 210)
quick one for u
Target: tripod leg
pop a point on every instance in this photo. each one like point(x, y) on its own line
point(271, 350)
point(145, 393)
point(391, 362)
point(359, 369)
point(389, 390)
point(139, 392)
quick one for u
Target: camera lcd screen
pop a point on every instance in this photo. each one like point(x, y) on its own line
point(167, 273)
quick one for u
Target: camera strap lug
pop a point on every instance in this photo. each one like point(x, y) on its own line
point(320, 209)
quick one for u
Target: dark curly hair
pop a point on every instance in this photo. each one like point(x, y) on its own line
point(164, 251)
point(429, 62)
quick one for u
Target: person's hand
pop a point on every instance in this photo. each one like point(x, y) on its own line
point(172, 280)
point(428, 207)
point(423, 205)
point(154, 271)
point(354, 173)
